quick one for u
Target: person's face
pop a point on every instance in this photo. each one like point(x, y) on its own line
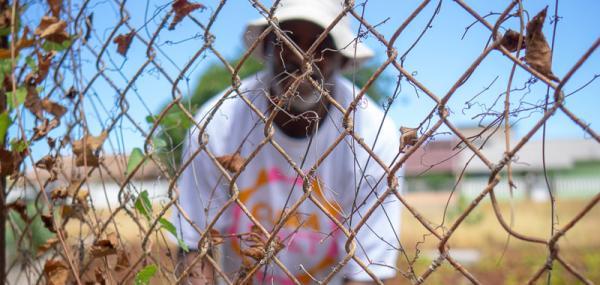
point(287, 67)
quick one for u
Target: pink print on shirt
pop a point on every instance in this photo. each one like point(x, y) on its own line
point(309, 236)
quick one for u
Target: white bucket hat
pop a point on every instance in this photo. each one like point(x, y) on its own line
point(322, 13)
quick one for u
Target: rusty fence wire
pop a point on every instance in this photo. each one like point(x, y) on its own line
point(73, 83)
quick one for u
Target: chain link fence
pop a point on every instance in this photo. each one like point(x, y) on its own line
point(84, 205)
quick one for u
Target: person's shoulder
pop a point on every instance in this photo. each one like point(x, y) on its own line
point(369, 114)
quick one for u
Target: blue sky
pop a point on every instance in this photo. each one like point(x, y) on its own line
point(437, 61)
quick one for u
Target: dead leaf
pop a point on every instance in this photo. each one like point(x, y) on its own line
point(122, 260)
point(42, 130)
point(215, 237)
point(20, 207)
point(44, 62)
point(46, 246)
point(47, 219)
point(10, 161)
point(538, 53)
point(88, 27)
point(58, 193)
point(47, 162)
point(182, 8)
point(510, 40)
point(408, 137)
point(56, 272)
point(52, 29)
point(72, 93)
point(57, 110)
point(33, 103)
point(91, 145)
point(100, 275)
point(123, 42)
point(232, 162)
point(106, 246)
point(55, 7)
point(257, 253)
point(23, 42)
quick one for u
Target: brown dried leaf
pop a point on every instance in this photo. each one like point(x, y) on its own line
point(123, 42)
point(33, 103)
point(43, 66)
point(72, 93)
point(106, 246)
point(122, 260)
point(10, 161)
point(20, 207)
point(23, 42)
point(57, 110)
point(52, 29)
point(92, 145)
point(58, 193)
point(56, 272)
point(42, 130)
point(510, 41)
point(100, 275)
point(55, 7)
point(538, 53)
point(47, 219)
point(232, 162)
point(257, 253)
point(216, 237)
point(47, 162)
point(408, 137)
point(182, 8)
point(46, 246)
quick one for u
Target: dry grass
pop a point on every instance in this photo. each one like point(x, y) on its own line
point(500, 262)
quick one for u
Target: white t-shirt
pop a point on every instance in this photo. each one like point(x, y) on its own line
point(269, 185)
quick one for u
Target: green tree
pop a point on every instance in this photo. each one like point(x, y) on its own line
point(175, 124)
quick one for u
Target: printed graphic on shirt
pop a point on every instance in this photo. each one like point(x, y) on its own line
point(309, 236)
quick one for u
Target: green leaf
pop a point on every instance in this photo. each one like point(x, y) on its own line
point(18, 145)
point(4, 124)
point(171, 228)
point(143, 205)
point(159, 143)
point(143, 276)
point(31, 63)
point(135, 158)
point(151, 119)
point(50, 46)
point(19, 96)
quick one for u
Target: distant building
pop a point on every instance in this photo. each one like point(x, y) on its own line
point(572, 166)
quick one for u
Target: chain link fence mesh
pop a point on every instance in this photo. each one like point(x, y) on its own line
point(73, 81)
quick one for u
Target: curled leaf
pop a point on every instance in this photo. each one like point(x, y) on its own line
point(105, 247)
point(538, 53)
point(43, 67)
point(56, 272)
point(182, 8)
point(20, 207)
point(91, 145)
point(510, 41)
point(10, 161)
point(55, 7)
point(233, 162)
point(52, 29)
point(122, 261)
point(33, 103)
point(257, 253)
point(123, 42)
point(408, 137)
point(42, 130)
point(48, 222)
point(215, 237)
point(57, 110)
point(46, 246)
